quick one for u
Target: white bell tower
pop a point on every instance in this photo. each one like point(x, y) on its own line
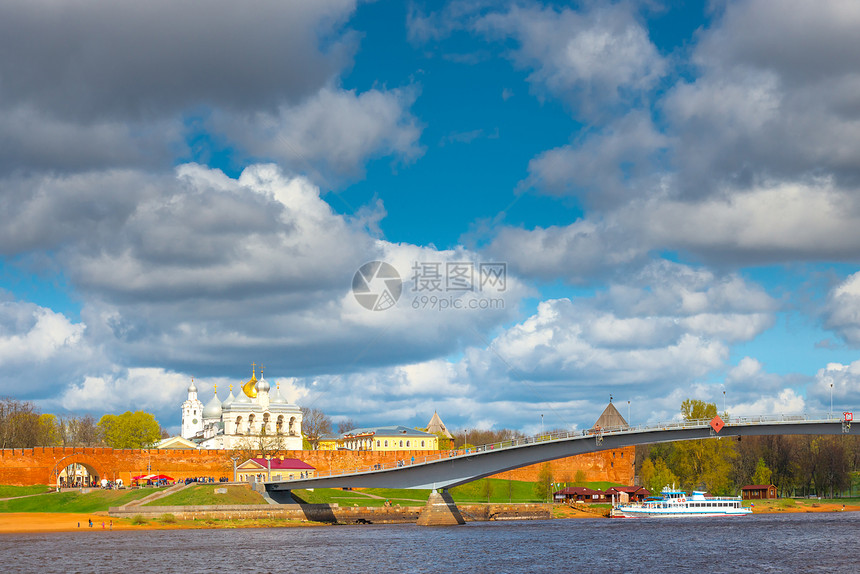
point(192, 413)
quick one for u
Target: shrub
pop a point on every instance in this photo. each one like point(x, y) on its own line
point(137, 519)
point(168, 518)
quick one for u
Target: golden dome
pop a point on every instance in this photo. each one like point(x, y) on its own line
point(249, 388)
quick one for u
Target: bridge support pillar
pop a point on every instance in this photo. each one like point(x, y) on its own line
point(279, 497)
point(440, 510)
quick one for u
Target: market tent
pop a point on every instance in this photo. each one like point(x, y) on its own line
point(152, 477)
point(160, 477)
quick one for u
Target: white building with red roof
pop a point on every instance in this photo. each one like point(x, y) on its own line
point(278, 468)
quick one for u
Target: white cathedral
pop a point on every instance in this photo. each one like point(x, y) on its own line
point(244, 420)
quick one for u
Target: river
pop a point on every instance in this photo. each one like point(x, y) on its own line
point(762, 543)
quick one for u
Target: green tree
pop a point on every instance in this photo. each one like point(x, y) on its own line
point(19, 424)
point(49, 431)
point(543, 486)
point(444, 442)
point(315, 424)
point(486, 489)
point(263, 445)
point(646, 473)
point(130, 430)
point(703, 464)
point(831, 469)
point(656, 475)
point(762, 473)
point(694, 409)
point(580, 478)
point(83, 431)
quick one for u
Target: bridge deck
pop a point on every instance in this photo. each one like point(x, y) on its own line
point(452, 468)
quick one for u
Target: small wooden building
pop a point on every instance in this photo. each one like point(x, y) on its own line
point(627, 493)
point(578, 494)
point(758, 492)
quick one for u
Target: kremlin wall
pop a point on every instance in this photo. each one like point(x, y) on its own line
point(40, 465)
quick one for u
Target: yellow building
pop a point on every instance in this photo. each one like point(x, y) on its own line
point(264, 469)
point(388, 438)
point(328, 442)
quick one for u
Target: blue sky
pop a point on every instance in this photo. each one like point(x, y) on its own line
point(671, 189)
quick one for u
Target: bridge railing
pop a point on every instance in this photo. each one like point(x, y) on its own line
point(596, 432)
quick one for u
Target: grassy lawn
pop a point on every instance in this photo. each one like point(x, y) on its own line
point(408, 494)
point(94, 501)
point(204, 494)
point(355, 498)
point(10, 491)
point(500, 491)
point(800, 503)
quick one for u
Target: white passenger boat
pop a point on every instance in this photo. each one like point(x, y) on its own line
point(675, 503)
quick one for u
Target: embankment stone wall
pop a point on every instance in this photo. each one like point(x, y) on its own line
point(332, 513)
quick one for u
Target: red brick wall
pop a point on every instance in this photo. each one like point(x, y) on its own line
point(39, 465)
point(609, 465)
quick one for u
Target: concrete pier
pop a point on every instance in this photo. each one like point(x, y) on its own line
point(440, 510)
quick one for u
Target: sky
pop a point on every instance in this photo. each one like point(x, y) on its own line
point(506, 212)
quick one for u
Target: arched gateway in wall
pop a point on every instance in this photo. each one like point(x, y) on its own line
point(77, 470)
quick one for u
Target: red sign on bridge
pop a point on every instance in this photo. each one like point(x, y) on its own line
point(717, 423)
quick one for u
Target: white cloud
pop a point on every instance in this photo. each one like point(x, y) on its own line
point(33, 140)
point(30, 333)
point(203, 272)
point(147, 389)
point(650, 340)
point(127, 85)
point(161, 56)
point(337, 130)
point(607, 167)
point(768, 222)
point(38, 347)
point(842, 311)
point(668, 326)
point(774, 99)
point(771, 223)
point(787, 401)
point(594, 60)
point(751, 156)
point(840, 381)
point(583, 251)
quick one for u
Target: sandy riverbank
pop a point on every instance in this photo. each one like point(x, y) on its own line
point(57, 522)
point(21, 522)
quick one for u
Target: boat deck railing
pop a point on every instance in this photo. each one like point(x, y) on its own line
point(597, 432)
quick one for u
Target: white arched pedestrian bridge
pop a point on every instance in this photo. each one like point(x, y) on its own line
point(452, 468)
